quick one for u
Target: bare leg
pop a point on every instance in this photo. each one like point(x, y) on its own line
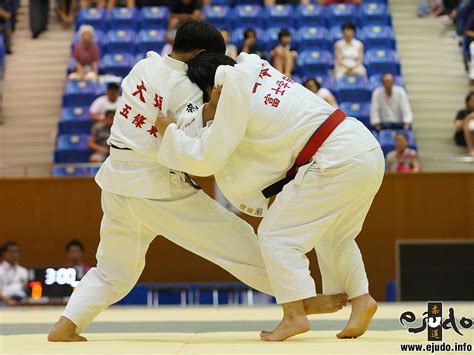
point(64, 331)
point(325, 303)
point(363, 309)
point(294, 322)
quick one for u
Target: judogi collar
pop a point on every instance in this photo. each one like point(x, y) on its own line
point(175, 64)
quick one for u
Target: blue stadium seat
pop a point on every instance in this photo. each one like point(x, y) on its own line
point(154, 17)
point(248, 15)
point(313, 37)
point(238, 37)
point(118, 64)
point(379, 61)
point(140, 56)
point(69, 170)
point(311, 15)
point(376, 36)
point(359, 110)
point(279, 16)
point(387, 139)
point(151, 40)
point(375, 134)
point(376, 80)
point(79, 93)
point(100, 38)
point(271, 37)
point(121, 41)
point(336, 33)
point(374, 13)
point(91, 16)
point(353, 89)
point(221, 2)
point(75, 119)
point(218, 15)
point(72, 148)
point(123, 18)
point(313, 63)
point(341, 13)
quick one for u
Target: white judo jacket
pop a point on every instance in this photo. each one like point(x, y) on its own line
point(154, 84)
point(262, 122)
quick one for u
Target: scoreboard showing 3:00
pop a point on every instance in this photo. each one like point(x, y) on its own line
point(54, 282)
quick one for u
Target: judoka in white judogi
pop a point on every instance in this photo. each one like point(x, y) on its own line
point(263, 120)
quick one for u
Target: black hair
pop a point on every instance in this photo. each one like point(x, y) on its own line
point(110, 113)
point(248, 31)
point(112, 86)
point(315, 80)
point(9, 244)
point(469, 96)
point(75, 243)
point(401, 133)
point(192, 35)
point(284, 33)
point(349, 26)
point(202, 70)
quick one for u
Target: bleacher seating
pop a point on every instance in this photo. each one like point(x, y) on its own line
point(125, 35)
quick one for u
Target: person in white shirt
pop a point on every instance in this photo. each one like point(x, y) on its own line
point(13, 277)
point(349, 53)
point(264, 123)
point(104, 103)
point(390, 107)
point(141, 198)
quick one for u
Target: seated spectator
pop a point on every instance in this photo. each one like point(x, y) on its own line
point(5, 24)
point(283, 55)
point(471, 70)
point(66, 11)
point(168, 47)
point(468, 37)
point(390, 107)
point(128, 3)
point(349, 53)
point(86, 53)
point(430, 8)
point(184, 8)
point(313, 84)
point(250, 45)
point(74, 254)
point(105, 103)
point(98, 139)
point(402, 159)
point(464, 124)
point(230, 49)
point(13, 277)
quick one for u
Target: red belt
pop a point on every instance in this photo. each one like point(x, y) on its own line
point(316, 140)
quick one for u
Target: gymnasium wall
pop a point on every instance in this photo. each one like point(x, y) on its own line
point(43, 214)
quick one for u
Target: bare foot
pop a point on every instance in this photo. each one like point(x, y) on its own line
point(64, 331)
point(294, 322)
point(325, 303)
point(363, 309)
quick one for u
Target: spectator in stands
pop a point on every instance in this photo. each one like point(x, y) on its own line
point(98, 139)
point(184, 8)
point(250, 44)
point(13, 277)
point(349, 53)
point(230, 49)
point(86, 53)
point(402, 159)
point(390, 107)
point(66, 11)
point(468, 37)
point(283, 55)
point(74, 257)
point(39, 16)
point(471, 70)
point(314, 85)
point(430, 8)
point(84, 4)
point(104, 103)
point(464, 124)
point(5, 24)
point(168, 47)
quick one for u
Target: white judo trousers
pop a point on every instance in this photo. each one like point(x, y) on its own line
point(325, 211)
point(189, 218)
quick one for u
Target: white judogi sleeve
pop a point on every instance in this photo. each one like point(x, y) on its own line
point(205, 155)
